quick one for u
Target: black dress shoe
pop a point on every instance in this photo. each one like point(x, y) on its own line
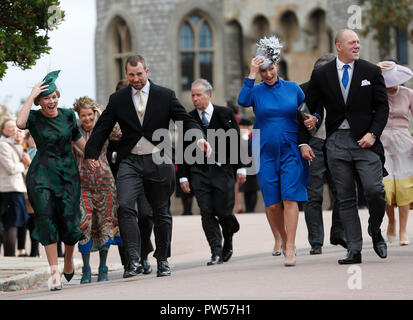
point(216, 259)
point(226, 255)
point(147, 269)
point(133, 269)
point(316, 250)
point(163, 269)
point(339, 241)
point(379, 245)
point(352, 257)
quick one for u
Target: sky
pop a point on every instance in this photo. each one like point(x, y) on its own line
point(72, 52)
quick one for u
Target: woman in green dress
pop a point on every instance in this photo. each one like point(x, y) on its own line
point(53, 182)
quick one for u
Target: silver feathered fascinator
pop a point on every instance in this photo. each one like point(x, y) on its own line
point(270, 50)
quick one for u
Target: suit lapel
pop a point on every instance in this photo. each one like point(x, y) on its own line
point(334, 82)
point(213, 118)
point(355, 83)
point(151, 102)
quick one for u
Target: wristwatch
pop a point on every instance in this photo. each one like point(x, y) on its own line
point(374, 136)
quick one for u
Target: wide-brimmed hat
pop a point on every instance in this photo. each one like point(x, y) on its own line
point(396, 75)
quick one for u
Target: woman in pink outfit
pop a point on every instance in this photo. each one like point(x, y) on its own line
point(398, 146)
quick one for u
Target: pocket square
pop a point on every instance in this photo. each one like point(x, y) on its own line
point(365, 83)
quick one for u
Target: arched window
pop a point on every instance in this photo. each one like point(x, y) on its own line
point(290, 29)
point(121, 48)
point(196, 50)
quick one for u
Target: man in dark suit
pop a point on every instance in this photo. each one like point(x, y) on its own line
point(213, 183)
point(353, 94)
point(141, 109)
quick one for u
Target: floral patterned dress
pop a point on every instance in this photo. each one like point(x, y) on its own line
point(98, 202)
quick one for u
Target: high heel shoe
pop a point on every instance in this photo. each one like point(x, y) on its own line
point(276, 253)
point(69, 276)
point(404, 240)
point(55, 283)
point(290, 263)
point(103, 274)
point(86, 275)
point(391, 238)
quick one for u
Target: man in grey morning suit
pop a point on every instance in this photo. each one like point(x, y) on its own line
point(353, 93)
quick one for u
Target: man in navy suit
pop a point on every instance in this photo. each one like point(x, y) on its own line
point(141, 109)
point(354, 95)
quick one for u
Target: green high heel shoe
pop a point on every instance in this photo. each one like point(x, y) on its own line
point(86, 275)
point(103, 274)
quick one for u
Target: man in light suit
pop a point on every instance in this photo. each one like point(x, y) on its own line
point(213, 184)
point(353, 93)
point(141, 109)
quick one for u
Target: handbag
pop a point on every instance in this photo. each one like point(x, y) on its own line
point(303, 108)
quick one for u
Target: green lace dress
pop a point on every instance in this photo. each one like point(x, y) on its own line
point(53, 183)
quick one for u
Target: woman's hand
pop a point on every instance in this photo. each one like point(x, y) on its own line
point(311, 121)
point(97, 110)
point(256, 63)
point(384, 64)
point(307, 153)
point(38, 89)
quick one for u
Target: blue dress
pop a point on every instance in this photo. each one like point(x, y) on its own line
point(282, 172)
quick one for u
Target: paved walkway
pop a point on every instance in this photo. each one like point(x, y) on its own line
point(252, 273)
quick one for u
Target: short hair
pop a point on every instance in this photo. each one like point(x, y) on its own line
point(325, 58)
point(339, 35)
point(207, 86)
point(121, 84)
point(3, 124)
point(36, 100)
point(84, 103)
point(134, 60)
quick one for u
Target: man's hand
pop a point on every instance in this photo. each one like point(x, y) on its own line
point(367, 141)
point(205, 146)
point(241, 178)
point(185, 187)
point(307, 153)
point(92, 164)
point(311, 121)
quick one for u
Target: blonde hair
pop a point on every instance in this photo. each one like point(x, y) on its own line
point(84, 103)
point(36, 100)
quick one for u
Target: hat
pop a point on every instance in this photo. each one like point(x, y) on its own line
point(50, 80)
point(396, 75)
point(269, 50)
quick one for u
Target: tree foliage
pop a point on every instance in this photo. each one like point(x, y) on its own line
point(24, 27)
point(380, 16)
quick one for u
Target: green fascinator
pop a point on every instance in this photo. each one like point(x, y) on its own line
point(50, 80)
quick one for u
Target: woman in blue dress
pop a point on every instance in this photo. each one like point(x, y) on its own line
point(282, 172)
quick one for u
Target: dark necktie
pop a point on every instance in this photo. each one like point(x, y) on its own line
point(345, 78)
point(204, 119)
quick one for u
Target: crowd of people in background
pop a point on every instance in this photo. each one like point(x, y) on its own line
point(89, 178)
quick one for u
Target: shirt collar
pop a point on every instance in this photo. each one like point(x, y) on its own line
point(144, 90)
point(340, 64)
point(209, 110)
